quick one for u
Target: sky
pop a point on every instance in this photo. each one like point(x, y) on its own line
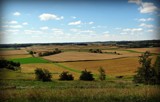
point(58, 21)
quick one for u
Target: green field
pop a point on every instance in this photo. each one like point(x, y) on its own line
point(30, 60)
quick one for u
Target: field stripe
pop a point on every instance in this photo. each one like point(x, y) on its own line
point(68, 68)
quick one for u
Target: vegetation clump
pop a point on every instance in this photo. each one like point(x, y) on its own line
point(55, 51)
point(147, 73)
point(66, 76)
point(43, 74)
point(95, 50)
point(86, 76)
point(102, 74)
point(9, 64)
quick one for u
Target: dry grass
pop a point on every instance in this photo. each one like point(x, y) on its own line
point(56, 70)
point(77, 56)
point(124, 53)
point(152, 50)
point(13, 52)
point(124, 66)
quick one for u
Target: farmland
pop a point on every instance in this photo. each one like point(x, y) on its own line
point(74, 59)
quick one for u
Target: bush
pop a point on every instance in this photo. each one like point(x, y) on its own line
point(66, 76)
point(43, 74)
point(9, 64)
point(102, 74)
point(86, 75)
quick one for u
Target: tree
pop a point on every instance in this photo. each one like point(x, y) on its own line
point(157, 69)
point(145, 73)
point(102, 74)
point(66, 76)
point(43, 74)
point(86, 75)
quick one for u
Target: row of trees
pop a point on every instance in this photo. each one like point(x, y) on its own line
point(147, 73)
point(55, 51)
point(95, 51)
point(9, 64)
point(45, 75)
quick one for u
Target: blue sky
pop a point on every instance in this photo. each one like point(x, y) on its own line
point(49, 21)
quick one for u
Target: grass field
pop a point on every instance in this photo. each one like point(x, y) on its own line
point(30, 60)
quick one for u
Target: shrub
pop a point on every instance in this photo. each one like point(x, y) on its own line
point(86, 75)
point(102, 74)
point(43, 74)
point(157, 69)
point(66, 76)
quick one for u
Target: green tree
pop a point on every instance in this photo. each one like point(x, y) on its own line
point(157, 69)
point(145, 72)
point(86, 75)
point(43, 74)
point(66, 76)
point(102, 74)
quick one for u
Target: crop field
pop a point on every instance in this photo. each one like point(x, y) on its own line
point(152, 50)
point(21, 85)
point(80, 56)
point(29, 60)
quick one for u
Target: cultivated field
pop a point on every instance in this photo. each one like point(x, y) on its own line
point(21, 85)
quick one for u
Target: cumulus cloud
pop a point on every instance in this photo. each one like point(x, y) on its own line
point(138, 2)
point(13, 22)
point(90, 22)
point(17, 14)
point(145, 19)
point(145, 7)
point(74, 17)
point(75, 23)
point(131, 30)
point(47, 16)
point(32, 32)
point(58, 31)
point(25, 23)
point(15, 26)
point(44, 28)
point(146, 25)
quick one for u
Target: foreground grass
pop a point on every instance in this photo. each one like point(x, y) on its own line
point(77, 91)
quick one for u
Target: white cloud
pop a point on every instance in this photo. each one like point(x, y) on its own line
point(147, 7)
point(90, 22)
point(58, 31)
point(75, 23)
point(135, 1)
point(74, 17)
point(87, 31)
point(146, 25)
point(16, 14)
point(131, 31)
point(13, 22)
point(15, 26)
point(47, 16)
point(150, 30)
point(44, 28)
point(74, 30)
point(25, 23)
point(145, 19)
point(32, 32)
point(106, 32)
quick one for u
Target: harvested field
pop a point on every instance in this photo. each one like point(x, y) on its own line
point(54, 69)
point(152, 50)
point(13, 52)
point(16, 56)
point(80, 56)
point(123, 66)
